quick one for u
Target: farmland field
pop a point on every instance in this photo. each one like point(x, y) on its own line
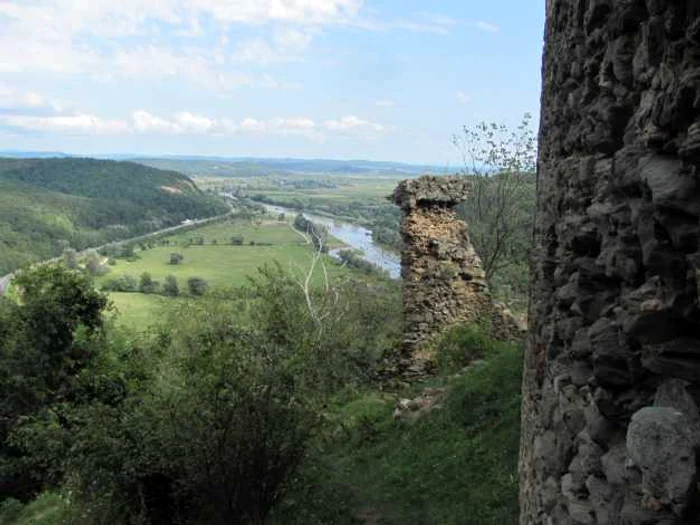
point(220, 263)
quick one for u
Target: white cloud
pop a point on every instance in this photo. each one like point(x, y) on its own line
point(17, 112)
point(293, 39)
point(257, 51)
point(192, 123)
point(384, 103)
point(286, 45)
point(18, 102)
point(294, 11)
point(427, 23)
point(144, 122)
point(251, 124)
point(58, 36)
point(267, 81)
point(489, 28)
point(82, 123)
point(463, 97)
point(421, 22)
point(352, 125)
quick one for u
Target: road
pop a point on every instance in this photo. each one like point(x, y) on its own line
point(6, 279)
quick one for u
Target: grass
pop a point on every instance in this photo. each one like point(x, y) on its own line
point(137, 310)
point(267, 231)
point(221, 264)
point(47, 509)
point(457, 466)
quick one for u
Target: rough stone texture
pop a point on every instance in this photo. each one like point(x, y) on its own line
point(661, 444)
point(614, 319)
point(443, 281)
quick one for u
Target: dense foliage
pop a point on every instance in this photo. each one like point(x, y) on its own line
point(47, 205)
point(208, 420)
point(456, 466)
point(47, 341)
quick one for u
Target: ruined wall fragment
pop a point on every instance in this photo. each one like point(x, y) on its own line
point(443, 281)
point(612, 371)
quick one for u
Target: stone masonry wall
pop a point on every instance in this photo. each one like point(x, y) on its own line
point(443, 282)
point(612, 372)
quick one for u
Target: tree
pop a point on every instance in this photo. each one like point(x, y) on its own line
point(500, 209)
point(176, 258)
point(127, 250)
point(147, 284)
point(197, 286)
point(123, 283)
point(170, 287)
point(237, 240)
point(46, 341)
point(93, 263)
point(70, 258)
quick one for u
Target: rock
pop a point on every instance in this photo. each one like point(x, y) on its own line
point(614, 298)
point(661, 445)
point(443, 277)
point(412, 410)
point(673, 393)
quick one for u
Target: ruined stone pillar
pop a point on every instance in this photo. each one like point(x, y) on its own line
point(612, 371)
point(443, 282)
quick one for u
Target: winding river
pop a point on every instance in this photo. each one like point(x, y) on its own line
point(354, 236)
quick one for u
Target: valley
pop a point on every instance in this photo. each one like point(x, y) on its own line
point(202, 319)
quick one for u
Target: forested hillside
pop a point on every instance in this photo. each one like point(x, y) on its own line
point(47, 205)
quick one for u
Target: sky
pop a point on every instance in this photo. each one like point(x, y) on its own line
point(387, 80)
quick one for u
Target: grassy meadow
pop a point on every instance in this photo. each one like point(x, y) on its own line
point(217, 261)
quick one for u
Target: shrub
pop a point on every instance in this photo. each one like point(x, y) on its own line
point(176, 258)
point(213, 436)
point(237, 240)
point(461, 345)
point(123, 283)
point(93, 263)
point(197, 286)
point(147, 284)
point(171, 287)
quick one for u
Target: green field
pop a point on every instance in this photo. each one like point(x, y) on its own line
point(222, 264)
point(266, 231)
point(138, 310)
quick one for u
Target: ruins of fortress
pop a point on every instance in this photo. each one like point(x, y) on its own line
point(443, 280)
point(611, 387)
point(610, 421)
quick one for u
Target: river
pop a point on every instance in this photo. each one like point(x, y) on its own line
point(354, 236)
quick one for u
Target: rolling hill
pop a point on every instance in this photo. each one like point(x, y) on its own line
point(48, 204)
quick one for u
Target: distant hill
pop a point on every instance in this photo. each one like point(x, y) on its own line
point(255, 167)
point(211, 166)
point(32, 154)
point(46, 204)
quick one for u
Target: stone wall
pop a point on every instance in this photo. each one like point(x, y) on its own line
point(443, 282)
point(612, 371)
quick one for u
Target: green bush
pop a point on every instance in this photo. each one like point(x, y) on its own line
point(171, 287)
point(47, 342)
point(176, 258)
point(197, 286)
point(123, 283)
point(461, 345)
point(147, 284)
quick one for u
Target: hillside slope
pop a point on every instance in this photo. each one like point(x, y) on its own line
point(48, 204)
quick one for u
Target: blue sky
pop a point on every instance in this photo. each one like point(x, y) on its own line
point(370, 79)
